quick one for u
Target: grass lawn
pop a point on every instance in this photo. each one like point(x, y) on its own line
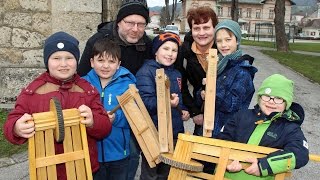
point(305, 64)
point(310, 47)
point(6, 148)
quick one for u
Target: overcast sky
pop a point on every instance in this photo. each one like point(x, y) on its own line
point(152, 3)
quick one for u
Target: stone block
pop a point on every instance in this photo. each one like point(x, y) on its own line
point(11, 4)
point(5, 35)
point(16, 19)
point(80, 25)
point(35, 5)
point(14, 79)
point(33, 58)
point(26, 39)
point(10, 57)
point(41, 22)
point(93, 6)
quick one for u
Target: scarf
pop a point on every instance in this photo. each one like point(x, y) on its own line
point(223, 61)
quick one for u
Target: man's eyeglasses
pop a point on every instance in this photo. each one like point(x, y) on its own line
point(131, 24)
point(276, 100)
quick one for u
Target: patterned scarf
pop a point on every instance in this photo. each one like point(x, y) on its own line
point(223, 61)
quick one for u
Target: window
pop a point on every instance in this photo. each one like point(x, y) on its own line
point(240, 12)
point(249, 12)
point(258, 13)
point(229, 11)
point(313, 33)
point(220, 11)
point(271, 13)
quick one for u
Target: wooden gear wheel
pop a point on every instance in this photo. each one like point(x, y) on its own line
point(55, 107)
point(192, 165)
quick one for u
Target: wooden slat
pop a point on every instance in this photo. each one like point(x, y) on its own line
point(86, 151)
point(32, 158)
point(169, 120)
point(162, 110)
point(68, 147)
point(59, 158)
point(209, 103)
point(49, 140)
point(222, 164)
point(77, 146)
point(40, 152)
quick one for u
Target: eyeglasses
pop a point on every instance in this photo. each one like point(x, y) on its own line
point(276, 100)
point(131, 24)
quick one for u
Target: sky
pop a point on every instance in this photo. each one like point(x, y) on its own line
point(152, 3)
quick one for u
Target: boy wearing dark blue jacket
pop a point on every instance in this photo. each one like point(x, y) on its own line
point(274, 122)
point(165, 49)
point(111, 80)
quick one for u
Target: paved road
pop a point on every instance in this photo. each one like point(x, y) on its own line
point(306, 93)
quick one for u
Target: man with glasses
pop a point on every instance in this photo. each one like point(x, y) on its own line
point(128, 31)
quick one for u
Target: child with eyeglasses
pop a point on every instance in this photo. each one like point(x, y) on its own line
point(274, 122)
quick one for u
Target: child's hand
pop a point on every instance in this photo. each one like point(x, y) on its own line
point(24, 126)
point(86, 112)
point(235, 166)
point(174, 100)
point(254, 168)
point(198, 119)
point(203, 94)
point(204, 81)
point(111, 117)
point(185, 115)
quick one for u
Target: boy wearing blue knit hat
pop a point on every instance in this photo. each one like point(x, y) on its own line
point(274, 122)
point(61, 55)
point(234, 87)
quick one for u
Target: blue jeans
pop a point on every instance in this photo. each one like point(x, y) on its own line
point(133, 157)
point(114, 170)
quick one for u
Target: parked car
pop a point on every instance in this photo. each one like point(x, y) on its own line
point(172, 28)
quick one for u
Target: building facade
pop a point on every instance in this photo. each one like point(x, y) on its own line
point(251, 13)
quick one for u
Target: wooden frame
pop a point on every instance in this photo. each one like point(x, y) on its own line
point(42, 157)
point(215, 151)
point(164, 112)
point(141, 124)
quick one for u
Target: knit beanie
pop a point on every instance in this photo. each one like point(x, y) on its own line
point(162, 38)
point(60, 41)
point(232, 26)
point(278, 86)
point(130, 7)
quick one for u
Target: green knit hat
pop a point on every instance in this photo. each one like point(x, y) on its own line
point(279, 86)
point(232, 26)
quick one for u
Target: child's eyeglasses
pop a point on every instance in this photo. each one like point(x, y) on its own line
point(276, 100)
point(131, 24)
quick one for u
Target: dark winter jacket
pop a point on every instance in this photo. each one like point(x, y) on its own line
point(132, 55)
point(35, 98)
point(116, 145)
point(284, 132)
point(146, 83)
point(192, 72)
point(234, 90)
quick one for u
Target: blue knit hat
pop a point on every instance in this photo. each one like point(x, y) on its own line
point(232, 26)
point(278, 86)
point(60, 41)
point(162, 38)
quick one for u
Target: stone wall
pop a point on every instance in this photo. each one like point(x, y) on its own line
point(25, 24)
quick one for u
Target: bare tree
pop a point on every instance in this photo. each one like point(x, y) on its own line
point(235, 10)
point(281, 38)
point(167, 17)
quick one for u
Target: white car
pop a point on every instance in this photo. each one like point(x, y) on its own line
point(172, 28)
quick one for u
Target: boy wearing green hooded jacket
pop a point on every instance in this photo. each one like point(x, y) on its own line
point(274, 122)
